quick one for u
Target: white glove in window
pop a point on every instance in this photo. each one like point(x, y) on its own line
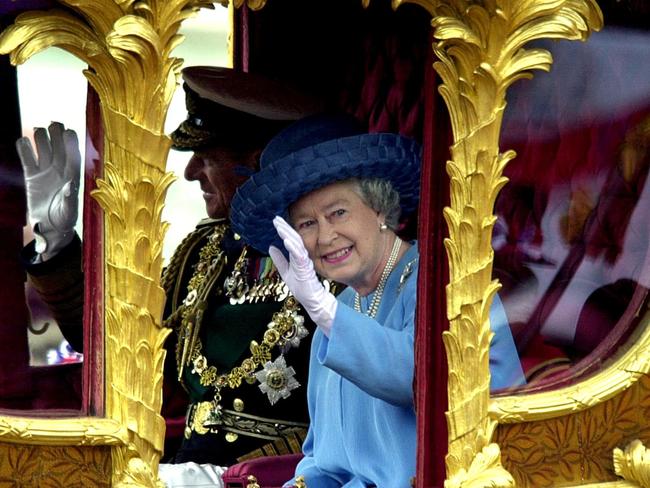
point(52, 186)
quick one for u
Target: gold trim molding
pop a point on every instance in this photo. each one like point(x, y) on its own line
point(575, 449)
point(127, 46)
point(610, 381)
point(481, 51)
point(62, 432)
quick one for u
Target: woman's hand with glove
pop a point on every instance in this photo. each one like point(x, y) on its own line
point(52, 186)
point(299, 276)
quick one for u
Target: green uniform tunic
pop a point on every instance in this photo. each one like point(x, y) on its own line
point(246, 424)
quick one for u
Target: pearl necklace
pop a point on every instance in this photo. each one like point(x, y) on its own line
point(379, 291)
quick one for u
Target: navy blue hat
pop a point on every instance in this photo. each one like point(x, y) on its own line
point(312, 153)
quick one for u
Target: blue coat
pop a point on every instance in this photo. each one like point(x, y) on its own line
point(360, 389)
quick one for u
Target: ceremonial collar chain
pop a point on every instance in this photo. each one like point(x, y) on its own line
point(379, 291)
point(212, 259)
point(285, 330)
point(187, 318)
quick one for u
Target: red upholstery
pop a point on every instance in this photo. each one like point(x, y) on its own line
point(271, 471)
point(57, 387)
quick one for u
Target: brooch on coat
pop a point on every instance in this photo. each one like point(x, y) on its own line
point(406, 272)
point(277, 379)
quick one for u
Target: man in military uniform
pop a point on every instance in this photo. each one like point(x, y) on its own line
point(240, 343)
point(240, 349)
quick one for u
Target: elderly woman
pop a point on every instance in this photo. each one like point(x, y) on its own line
point(334, 196)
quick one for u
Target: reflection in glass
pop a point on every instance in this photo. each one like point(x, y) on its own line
point(37, 370)
point(47, 346)
point(571, 242)
point(39, 108)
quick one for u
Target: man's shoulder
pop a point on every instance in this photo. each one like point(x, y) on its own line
point(209, 222)
point(202, 230)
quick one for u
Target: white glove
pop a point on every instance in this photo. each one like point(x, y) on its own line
point(300, 277)
point(52, 186)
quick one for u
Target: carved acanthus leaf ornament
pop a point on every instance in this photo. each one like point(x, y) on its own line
point(633, 464)
point(480, 46)
point(127, 45)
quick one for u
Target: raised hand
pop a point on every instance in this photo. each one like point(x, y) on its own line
point(52, 186)
point(299, 275)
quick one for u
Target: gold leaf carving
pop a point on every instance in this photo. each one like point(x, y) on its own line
point(68, 431)
point(481, 50)
point(252, 482)
point(127, 45)
point(575, 449)
point(251, 4)
point(48, 466)
point(485, 471)
point(633, 464)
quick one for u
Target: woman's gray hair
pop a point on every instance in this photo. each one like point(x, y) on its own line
point(381, 196)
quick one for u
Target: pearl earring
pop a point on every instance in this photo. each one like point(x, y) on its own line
point(383, 226)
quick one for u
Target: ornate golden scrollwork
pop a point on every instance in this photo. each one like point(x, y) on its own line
point(481, 50)
point(633, 464)
point(127, 45)
point(37, 465)
point(628, 368)
point(251, 4)
point(252, 482)
point(575, 449)
point(485, 470)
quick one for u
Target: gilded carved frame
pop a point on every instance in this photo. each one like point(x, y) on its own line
point(127, 46)
point(480, 52)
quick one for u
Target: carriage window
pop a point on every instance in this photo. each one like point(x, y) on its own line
point(38, 108)
point(571, 246)
point(51, 87)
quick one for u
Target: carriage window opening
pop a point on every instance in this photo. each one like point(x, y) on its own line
point(51, 87)
point(570, 245)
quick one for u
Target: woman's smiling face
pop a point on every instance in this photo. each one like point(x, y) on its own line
point(341, 233)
